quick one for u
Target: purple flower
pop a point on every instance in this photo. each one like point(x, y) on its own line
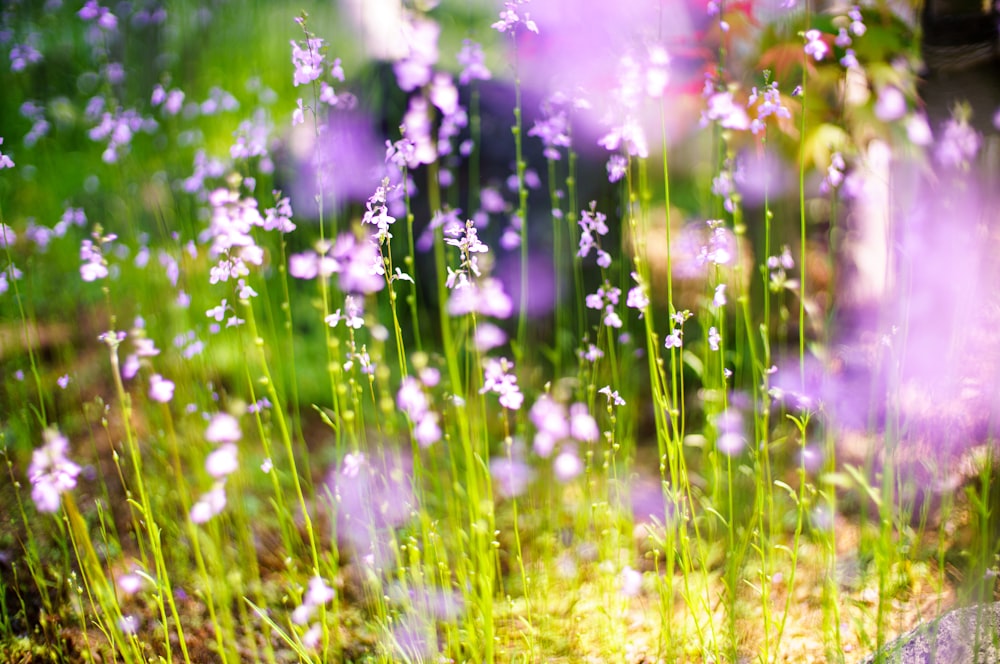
point(473, 63)
point(489, 336)
point(631, 582)
point(510, 19)
point(617, 167)
point(223, 428)
point(95, 266)
point(614, 399)
point(427, 432)
point(891, 104)
point(210, 504)
point(714, 338)
point(553, 131)
point(549, 418)
point(958, 145)
point(222, 462)
point(567, 465)
point(499, 379)
point(417, 130)
point(582, 425)
point(7, 235)
point(719, 298)
point(510, 476)
point(160, 389)
point(352, 316)
point(770, 104)
point(51, 474)
point(729, 425)
point(843, 40)
point(308, 60)
point(815, 46)
point(628, 135)
point(92, 11)
point(724, 110)
point(857, 21)
point(414, 70)
point(357, 260)
point(377, 212)
point(22, 55)
point(487, 298)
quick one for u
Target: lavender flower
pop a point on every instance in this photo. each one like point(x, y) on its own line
point(637, 297)
point(770, 104)
point(160, 389)
point(209, 504)
point(510, 476)
point(567, 465)
point(510, 19)
point(551, 424)
point(51, 474)
point(94, 264)
point(593, 223)
point(815, 46)
point(352, 316)
point(724, 110)
point(958, 145)
point(582, 425)
point(553, 130)
point(414, 70)
point(473, 63)
point(714, 338)
point(223, 428)
point(857, 21)
point(890, 105)
point(377, 212)
point(22, 55)
point(222, 461)
point(499, 379)
point(617, 167)
point(101, 16)
point(5, 160)
point(614, 399)
point(307, 57)
point(719, 296)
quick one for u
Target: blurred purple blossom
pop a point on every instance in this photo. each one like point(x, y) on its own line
point(511, 476)
point(816, 47)
point(51, 474)
point(372, 494)
point(307, 57)
point(498, 378)
point(160, 389)
point(473, 63)
point(421, 37)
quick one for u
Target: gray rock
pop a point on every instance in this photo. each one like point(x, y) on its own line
point(964, 636)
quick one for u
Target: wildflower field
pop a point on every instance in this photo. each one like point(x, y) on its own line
point(471, 331)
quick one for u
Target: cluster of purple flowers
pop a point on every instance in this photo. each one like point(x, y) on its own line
point(118, 128)
point(499, 378)
point(676, 337)
point(605, 299)
point(5, 160)
point(557, 427)
point(593, 223)
point(223, 431)
point(317, 594)
point(770, 104)
point(51, 474)
point(356, 264)
point(95, 265)
point(413, 398)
